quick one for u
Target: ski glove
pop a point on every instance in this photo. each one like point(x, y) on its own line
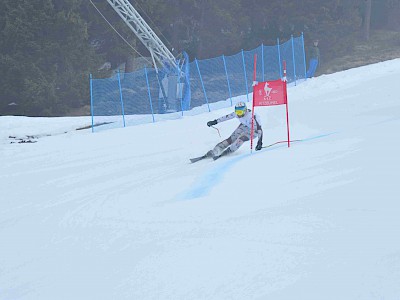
point(259, 145)
point(211, 123)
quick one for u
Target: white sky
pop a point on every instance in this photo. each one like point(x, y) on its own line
point(121, 214)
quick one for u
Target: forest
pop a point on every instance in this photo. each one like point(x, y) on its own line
point(48, 48)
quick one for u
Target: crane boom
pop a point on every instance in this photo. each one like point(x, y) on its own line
point(159, 52)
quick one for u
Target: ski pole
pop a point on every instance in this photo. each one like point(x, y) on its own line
point(217, 130)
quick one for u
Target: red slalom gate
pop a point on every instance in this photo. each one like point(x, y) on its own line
point(270, 93)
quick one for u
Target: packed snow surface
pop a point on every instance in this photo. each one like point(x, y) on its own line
point(122, 214)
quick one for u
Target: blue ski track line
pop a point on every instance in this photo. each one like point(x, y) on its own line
point(214, 176)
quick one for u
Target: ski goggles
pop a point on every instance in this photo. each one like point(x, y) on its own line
point(240, 112)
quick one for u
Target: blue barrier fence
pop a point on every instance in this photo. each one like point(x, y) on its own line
point(135, 98)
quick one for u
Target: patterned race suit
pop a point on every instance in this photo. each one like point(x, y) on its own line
point(240, 135)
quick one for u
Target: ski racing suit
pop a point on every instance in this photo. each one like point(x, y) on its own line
point(240, 135)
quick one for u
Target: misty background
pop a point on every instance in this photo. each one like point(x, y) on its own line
point(48, 48)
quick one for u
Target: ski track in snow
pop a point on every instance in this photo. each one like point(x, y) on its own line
point(206, 182)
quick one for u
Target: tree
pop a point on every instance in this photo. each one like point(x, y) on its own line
point(367, 19)
point(46, 56)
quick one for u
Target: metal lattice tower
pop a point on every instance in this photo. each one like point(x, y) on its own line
point(159, 52)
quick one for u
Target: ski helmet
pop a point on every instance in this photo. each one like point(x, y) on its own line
point(240, 109)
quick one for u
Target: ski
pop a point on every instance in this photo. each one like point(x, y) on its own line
point(208, 154)
point(193, 160)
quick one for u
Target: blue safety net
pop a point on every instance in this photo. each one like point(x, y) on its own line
point(200, 86)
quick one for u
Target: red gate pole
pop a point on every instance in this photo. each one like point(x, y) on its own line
point(252, 107)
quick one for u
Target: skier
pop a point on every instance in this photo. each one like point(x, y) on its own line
point(241, 133)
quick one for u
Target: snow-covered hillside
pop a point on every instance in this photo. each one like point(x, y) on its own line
point(121, 214)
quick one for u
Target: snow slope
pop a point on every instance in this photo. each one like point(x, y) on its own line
point(121, 214)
